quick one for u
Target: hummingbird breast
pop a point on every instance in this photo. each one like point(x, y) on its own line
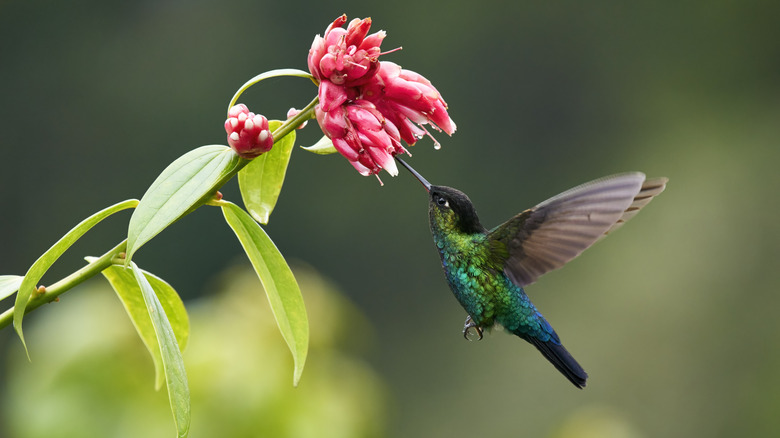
point(471, 279)
point(484, 291)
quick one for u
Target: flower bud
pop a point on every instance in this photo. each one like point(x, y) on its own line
point(292, 112)
point(248, 134)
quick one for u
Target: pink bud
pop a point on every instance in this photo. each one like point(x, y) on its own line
point(292, 112)
point(248, 134)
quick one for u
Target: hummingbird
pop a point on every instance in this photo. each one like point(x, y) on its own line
point(488, 270)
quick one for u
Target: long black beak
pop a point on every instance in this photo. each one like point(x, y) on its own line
point(419, 177)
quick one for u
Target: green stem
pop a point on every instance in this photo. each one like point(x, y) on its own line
point(289, 125)
point(268, 75)
point(97, 266)
point(67, 283)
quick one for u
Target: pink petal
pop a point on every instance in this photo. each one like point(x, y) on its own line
point(331, 95)
point(373, 41)
point(363, 170)
point(345, 149)
point(357, 30)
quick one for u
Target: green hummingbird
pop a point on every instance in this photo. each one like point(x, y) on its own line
point(488, 269)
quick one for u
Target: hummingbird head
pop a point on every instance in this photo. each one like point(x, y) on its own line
point(450, 210)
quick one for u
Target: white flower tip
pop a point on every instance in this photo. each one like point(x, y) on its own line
point(390, 167)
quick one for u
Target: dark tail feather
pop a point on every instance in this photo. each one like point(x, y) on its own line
point(562, 360)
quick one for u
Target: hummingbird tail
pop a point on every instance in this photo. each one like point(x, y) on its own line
point(563, 361)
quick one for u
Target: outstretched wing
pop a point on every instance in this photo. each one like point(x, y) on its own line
point(650, 189)
point(549, 235)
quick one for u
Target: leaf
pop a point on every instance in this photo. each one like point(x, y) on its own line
point(175, 374)
point(9, 284)
point(126, 287)
point(279, 283)
point(191, 178)
point(44, 262)
point(261, 180)
point(323, 147)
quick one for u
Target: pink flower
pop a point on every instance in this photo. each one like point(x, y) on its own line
point(248, 133)
point(366, 107)
point(363, 136)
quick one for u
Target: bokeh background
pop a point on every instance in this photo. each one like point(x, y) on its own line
point(674, 316)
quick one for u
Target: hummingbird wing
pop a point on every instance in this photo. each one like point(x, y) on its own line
point(650, 189)
point(548, 236)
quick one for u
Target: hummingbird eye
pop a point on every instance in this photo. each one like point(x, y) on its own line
point(442, 202)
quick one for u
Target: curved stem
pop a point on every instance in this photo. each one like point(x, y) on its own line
point(67, 283)
point(267, 75)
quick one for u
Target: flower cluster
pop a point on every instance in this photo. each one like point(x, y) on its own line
point(248, 134)
point(366, 106)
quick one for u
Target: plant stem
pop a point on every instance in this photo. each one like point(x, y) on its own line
point(67, 283)
point(290, 124)
point(90, 270)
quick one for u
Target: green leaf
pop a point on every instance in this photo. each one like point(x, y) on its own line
point(261, 180)
point(280, 286)
point(129, 292)
point(267, 75)
point(9, 284)
point(323, 147)
point(175, 375)
point(193, 177)
point(44, 262)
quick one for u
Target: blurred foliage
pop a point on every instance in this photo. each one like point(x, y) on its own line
point(596, 422)
point(673, 316)
point(101, 383)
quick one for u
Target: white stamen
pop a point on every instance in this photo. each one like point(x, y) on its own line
point(355, 64)
point(391, 51)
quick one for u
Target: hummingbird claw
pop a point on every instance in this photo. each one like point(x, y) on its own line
point(470, 324)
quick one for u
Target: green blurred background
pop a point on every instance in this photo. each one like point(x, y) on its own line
point(674, 316)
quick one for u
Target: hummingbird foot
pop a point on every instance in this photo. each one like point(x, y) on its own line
point(470, 324)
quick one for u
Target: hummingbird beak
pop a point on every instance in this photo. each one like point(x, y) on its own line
point(419, 177)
